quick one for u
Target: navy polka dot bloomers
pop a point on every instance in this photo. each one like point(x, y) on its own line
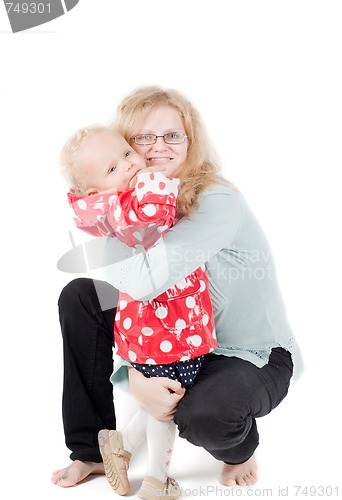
point(183, 371)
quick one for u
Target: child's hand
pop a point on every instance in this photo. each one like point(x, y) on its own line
point(106, 191)
point(133, 181)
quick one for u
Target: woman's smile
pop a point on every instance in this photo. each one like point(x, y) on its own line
point(158, 160)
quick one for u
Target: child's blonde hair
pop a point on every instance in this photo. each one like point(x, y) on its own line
point(199, 170)
point(71, 168)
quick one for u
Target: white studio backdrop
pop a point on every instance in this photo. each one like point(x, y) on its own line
point(266, 77)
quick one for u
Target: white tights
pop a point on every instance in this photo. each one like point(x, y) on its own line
point(160, 435)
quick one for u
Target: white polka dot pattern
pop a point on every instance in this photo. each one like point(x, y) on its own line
point(127, 323)
point(165, 346)
point(132, 356)
point(190, 302)
point(156, 183)
point(161, 312)
point(195, 340)
point(147, 331)
point(133, 216)
point(178, 323)
point(82, 204)
point(149, 210)
point(167, 330)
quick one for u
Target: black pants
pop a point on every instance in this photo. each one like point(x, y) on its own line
point(217, 413)
point(87, 331)
point(219, 410)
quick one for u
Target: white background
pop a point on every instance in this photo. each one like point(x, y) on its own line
point(267, 79)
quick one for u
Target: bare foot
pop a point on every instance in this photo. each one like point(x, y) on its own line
point(240, 474)
point(75, 473)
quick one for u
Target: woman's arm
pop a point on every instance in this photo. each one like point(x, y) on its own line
point(189, 244)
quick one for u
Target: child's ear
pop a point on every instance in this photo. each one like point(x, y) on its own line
point(91, 191)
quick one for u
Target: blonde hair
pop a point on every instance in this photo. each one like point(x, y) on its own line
point(199, 170)
point(71, 168)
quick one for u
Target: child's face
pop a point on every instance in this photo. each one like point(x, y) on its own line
point(108, 162)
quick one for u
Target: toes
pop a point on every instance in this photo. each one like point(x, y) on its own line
point(241, 481)
point(65, 484)
point(250, 479)
point(55, 474)
point(229, 482)
point(253, 478)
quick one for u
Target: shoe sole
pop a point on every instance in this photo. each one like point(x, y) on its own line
point(159, 492)
point(112, 473)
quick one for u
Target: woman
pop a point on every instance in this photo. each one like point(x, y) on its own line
point(250, 372)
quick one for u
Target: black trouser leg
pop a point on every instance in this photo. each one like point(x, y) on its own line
point(87, 330)
point(218, 412)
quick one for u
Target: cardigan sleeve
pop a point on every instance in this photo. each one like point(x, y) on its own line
point(190, 243)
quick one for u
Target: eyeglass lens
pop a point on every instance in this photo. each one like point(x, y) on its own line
point(170, 138)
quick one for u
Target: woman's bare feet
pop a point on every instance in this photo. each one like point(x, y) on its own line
point(75, 473)
point(240, 474)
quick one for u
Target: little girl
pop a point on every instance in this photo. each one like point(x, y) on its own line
point(114, 194)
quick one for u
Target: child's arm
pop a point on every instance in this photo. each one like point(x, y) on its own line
point(90, 212)
point(138, 216)
point(141, 216)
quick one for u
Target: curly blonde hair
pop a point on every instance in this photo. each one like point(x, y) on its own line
point(71, 169)
point(199, 170)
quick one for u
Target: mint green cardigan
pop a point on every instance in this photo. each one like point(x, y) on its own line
point(223, 233)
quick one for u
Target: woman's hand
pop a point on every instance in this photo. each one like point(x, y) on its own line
point(158, 395)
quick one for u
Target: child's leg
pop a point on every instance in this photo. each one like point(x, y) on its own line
point(116, 449)
point(135, 431)
point(160, 440)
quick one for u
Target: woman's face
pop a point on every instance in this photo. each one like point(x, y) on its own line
point(167, 158)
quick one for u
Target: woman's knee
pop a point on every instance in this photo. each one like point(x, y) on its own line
point(213, 421)
point(211, 428)
point(191, 422)
point(86, 287)
point(72, 291)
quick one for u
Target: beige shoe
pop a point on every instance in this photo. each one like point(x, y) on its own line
point(115, 460)
point(152, 489)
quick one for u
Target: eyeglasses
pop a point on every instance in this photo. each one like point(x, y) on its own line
point(170, 138)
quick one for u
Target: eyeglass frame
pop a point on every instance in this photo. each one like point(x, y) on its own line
point(156, 137)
